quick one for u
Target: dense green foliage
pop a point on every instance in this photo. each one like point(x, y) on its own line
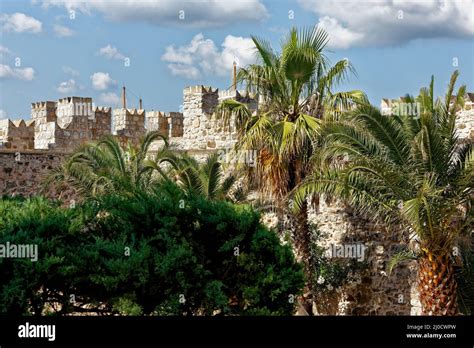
point(108, 167)
point(406, 171)
point(297, 87)
point(161, 253)
point(401, 169)
point(206, 179)
point(157, 234)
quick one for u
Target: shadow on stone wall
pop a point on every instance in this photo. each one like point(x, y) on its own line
point(22, 174)
point(371, 290)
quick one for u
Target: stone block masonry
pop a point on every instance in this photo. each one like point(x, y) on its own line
point(129, 124)
point(17, 135)
point(58, 127)
point(69, 122)
point(199, 103)
point(22, 173)
point(175, 124)
point(65, 124)
point(170, 125)
point(29, 150)
point(100, 123)
point(201, 129)
point(156, 121)
point(465, 120)
point(370, 291)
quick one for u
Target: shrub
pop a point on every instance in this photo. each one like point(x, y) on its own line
point(156, 253)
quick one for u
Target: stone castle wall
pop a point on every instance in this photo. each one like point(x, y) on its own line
point(129, 123)
point(203, 131)
point(56, 128)
point(369, 290)
point(72, 121)
point(373, 291)
point(22, 173)
point(170, 125)
point(59, 127)
point(199, 103)
point(17, 135)
point(465, 121)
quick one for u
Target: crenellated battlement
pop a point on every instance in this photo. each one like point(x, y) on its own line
point(169, 124)
point(200, 89)
point(102, 109)
point(157, 121)
point(74, 100)
point(236, 94)
point(43, 105)
point(71, 121)
point(133, 112)
point(129, 124)
point(44, 111)
point(20, 123)
point(17, 134)
point(245, 97)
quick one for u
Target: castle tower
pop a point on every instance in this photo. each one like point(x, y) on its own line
point(129, 124)
point(199, 104)
point(74, 111)
point(101, 123)
point(157, 121)
point(175, 124)
point(42, 112)
point(44, 115)
point(17, 134)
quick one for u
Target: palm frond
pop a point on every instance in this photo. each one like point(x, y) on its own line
point(399, 257)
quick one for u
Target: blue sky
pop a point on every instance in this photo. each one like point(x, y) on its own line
point(55, 48)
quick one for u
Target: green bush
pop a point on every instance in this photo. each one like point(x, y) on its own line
point(158, 253)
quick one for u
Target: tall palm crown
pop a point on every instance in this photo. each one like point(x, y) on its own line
point(295, 88)
point(405, 170)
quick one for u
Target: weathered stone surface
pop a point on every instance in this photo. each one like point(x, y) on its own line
point(29, 150)
point(373, 291)
point(22, 173)
point(465, 122)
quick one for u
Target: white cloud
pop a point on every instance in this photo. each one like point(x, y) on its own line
point(26, 74)
point(339, 36)
point(20, 23)
point(102, 81)
point(70, 71)
point(4, 51)
point(111, 52)
point(68, 86)
point(201, 56)
point(110, 98)
point(164, 12)
point(187, 71)
point(63, 31)
point(392, 22)
point(181, 55)
point(3, 114)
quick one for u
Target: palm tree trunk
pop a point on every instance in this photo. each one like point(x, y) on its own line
point(437, 285)
point(303, 247)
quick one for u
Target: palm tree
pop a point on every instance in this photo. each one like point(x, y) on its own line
point(296, 90)
point(408, 171)
point(105, 167)
point(205, 179)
